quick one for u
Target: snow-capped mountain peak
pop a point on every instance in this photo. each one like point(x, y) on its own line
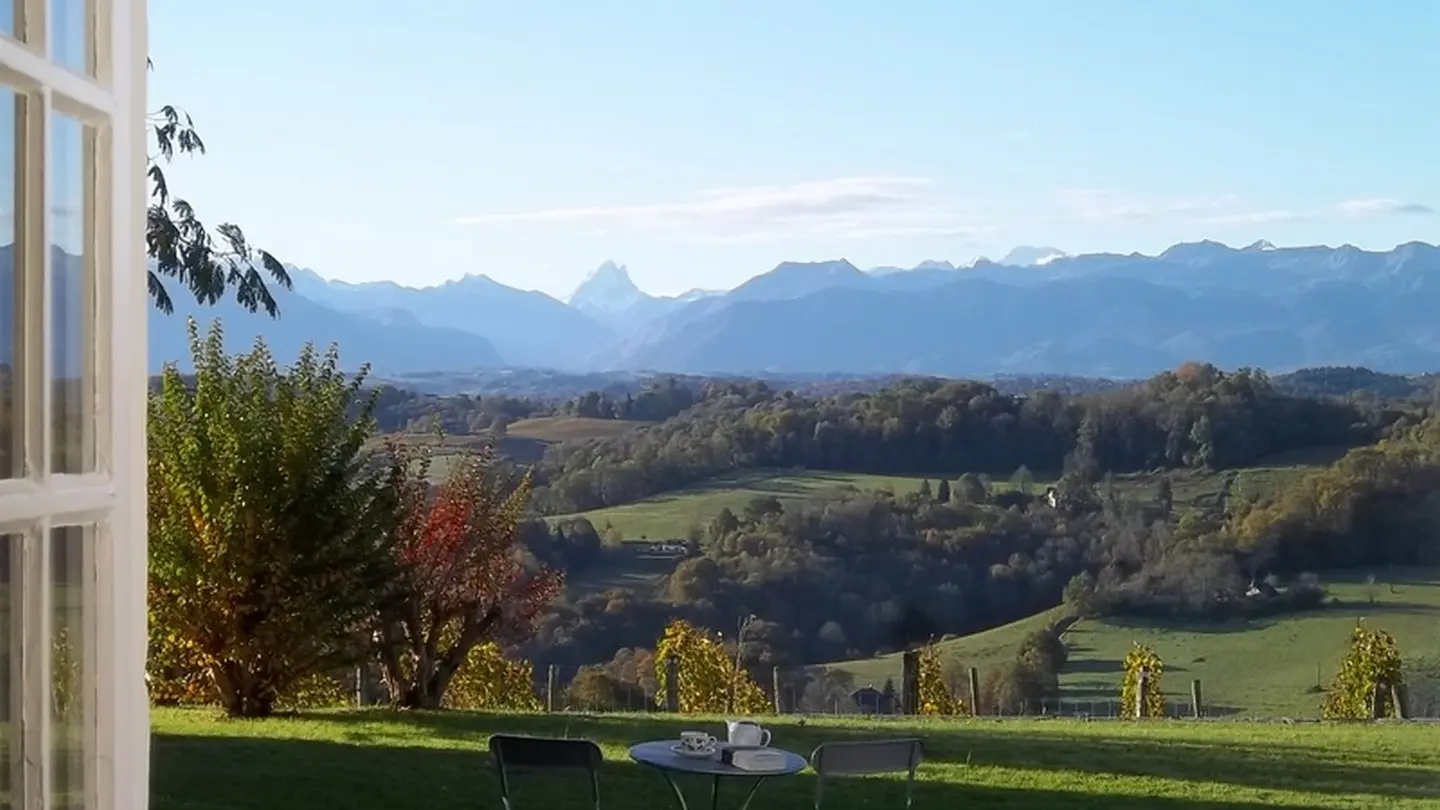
point(608, 288)
point(1026, 256)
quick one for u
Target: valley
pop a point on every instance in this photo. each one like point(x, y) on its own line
point(856, 522)
point(1259, 668)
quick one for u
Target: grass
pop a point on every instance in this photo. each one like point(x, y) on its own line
point(672, 514)
point(380, 760)
point(1264, 667)
point(524, 441)
point(980, 650)
point(569, 428)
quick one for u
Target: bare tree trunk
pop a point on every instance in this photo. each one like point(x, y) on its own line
point(434, 670)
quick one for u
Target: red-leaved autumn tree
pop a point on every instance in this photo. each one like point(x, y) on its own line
point(463, 584)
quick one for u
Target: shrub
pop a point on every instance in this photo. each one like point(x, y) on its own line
point(1142, 658)
point(488, 680)
point(706, 674)
point(269, 534)
point(935, 697)
point(593, 689)
point(1372, 663)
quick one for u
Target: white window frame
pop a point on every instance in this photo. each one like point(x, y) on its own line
point(112, 498)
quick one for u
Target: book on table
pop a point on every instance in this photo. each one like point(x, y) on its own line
point(754, 759)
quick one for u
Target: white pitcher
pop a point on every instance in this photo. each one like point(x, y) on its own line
point(747, 733)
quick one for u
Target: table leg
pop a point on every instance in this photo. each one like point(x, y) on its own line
point(748, 796)
point(715, 794)
point(679, 797)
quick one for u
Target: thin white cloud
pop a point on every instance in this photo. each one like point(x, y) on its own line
point(847, 207)
point(1258, 217)
point(1099, 206)
point(1381, 207)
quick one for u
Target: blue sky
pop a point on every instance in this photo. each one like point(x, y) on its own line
point(701, 143)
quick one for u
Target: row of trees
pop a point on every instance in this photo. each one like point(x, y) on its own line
point(1197, 416)
point(280, 550)
point(857, 573)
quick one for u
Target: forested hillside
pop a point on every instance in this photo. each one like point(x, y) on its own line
point(1197, 416)
point(851, 573)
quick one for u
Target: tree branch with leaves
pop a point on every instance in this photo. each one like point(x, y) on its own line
point(181, 247)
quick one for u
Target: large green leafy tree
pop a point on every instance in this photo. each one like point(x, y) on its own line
point(270, 530)
point(181, 247)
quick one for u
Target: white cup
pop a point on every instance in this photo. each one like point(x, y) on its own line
point(747, 733)
point(696, 741)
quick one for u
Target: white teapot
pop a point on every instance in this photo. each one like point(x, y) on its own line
point(747, 733)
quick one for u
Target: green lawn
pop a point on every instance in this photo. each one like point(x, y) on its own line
point(1265, 667)
point(383, 761)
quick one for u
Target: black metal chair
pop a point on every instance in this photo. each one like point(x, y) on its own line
point(528, 754)
point(865, 759)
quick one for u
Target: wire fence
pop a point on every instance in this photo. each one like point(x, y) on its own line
point(815, 691)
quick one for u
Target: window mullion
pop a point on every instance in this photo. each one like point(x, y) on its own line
point(35, 713)
point(42, 199)
point(31, 269)
point(101, 263)
point(92, 701)
point(37, 25)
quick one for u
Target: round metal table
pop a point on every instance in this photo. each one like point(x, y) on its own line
point(657, 755)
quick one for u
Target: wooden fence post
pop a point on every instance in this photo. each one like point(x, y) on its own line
point(550, 689)
point(1377, 702)
point(1195, 698)
point(910, 682)
point(1397, 694)
point(775, 684)
point(974, 692)
point(672, 683)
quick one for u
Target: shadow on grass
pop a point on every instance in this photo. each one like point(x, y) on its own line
point(1359, 609)
point(1095, 665)
point(280, 774)
point(367, 764)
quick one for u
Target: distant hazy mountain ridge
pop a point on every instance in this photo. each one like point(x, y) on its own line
point(1038, 310)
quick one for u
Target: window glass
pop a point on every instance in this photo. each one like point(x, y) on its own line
point(72, 34)
point(11, 632)
point(72, 300)
point(72, 591)
point(12, 424)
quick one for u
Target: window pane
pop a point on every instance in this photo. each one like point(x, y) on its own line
point(72, 37)
point(9, 14)
point(72, 591)
point(72, 300)
point(11, 627)
point(12, 426)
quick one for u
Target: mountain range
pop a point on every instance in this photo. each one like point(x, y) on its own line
point(1037, 310)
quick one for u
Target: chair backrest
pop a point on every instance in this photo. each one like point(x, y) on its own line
point(513, 753)
point(864, 759)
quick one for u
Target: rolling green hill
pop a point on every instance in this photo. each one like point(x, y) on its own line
point(1264, 667)
point(551, 429)
point(672, 514)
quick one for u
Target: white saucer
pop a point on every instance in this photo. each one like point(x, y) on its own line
point(704, 753)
